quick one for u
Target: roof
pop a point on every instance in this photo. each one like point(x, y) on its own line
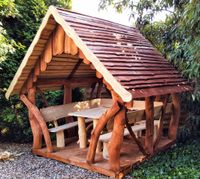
point(127, 61)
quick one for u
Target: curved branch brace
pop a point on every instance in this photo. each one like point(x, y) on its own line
point(35, 111)
point(99, 127)
point(116, 140)
point(140, 146)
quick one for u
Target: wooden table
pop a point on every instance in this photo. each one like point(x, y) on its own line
point(92, 113)
point(96, 113)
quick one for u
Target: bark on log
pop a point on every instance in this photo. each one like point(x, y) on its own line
point(35, 111)
point(35, 127)
point(116, 140)
point(173, 126)
point(149, 113)
point(99, 127)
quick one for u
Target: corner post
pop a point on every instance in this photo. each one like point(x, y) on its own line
point(36, 129)
point(174, 122)
point(149, 113)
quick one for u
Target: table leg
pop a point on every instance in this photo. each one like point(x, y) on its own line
point(99, 144)
point(82, 132)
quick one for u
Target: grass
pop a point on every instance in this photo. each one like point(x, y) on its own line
point(182, 161)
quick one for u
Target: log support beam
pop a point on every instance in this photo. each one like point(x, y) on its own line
point(173, 126)
point(97, 131)
point(35, 127)
point(36, 113)
point(116, 140)
point(160, 129)
point(149, 113)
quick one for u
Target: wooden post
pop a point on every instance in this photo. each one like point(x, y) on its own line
point(149, 113)
point(99, 127)
point(68, 99)
point(82, 132)
point(160, 127)
point(116, 140)
point(35, 127)
point(173, 126)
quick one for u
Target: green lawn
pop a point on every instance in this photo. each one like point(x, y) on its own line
point(182, 161)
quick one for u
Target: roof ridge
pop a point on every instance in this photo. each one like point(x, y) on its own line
point(86, 15)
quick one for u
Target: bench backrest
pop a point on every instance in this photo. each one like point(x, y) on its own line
point(54, 113)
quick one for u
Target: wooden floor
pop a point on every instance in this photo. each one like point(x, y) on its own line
point(72, 154)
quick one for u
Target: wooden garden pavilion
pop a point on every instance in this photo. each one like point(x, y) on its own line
point(75, 50)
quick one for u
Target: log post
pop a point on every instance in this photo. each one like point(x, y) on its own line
point(149, 113)
point(160, 128)
point(35, 127)
point(68, 99)
point(116, 140)
point(173, 126)
point(99, 127)
point(82, 133)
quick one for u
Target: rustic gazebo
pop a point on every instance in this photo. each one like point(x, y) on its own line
point(75, 50)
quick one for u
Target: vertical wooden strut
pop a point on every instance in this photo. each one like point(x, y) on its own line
point(173, 126)
point(99, 127)
point(36, 129)
point(149, 113)
point(35, 111)
point(116, 140)
point(160, 129)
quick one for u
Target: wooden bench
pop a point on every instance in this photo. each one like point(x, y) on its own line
point(137, 128)
point(55, 113)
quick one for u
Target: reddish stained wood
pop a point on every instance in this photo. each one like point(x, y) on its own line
point(58, 41)
point(173, 126)
point(64, 81)
point(82, 56)
point(43, 64)
point(160, 129)
point(116, 140)
point(149, 113)
point(48, 54)
point(75, 68)
point(35, 111)
point(70, 47)
point(35, 127)
point(99, 127)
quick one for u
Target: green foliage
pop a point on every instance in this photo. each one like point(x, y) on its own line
point(19, 21)
point(178, 162)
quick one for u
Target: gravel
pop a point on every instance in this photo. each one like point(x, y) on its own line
point(30, 166)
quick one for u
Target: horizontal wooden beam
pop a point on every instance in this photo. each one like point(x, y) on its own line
point(65, 81)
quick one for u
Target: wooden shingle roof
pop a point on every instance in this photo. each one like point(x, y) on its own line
point(127, 61)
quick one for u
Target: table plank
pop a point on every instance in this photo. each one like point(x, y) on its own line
point(93, 113)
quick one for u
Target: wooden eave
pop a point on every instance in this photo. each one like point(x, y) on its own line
point(128, 63)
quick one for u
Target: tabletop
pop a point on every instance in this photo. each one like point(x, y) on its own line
point(93, 113)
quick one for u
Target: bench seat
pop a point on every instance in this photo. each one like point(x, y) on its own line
point(67, 126)
point(137, 128)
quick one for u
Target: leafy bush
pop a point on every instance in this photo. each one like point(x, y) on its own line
point(179, 162)
point(19, 21)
